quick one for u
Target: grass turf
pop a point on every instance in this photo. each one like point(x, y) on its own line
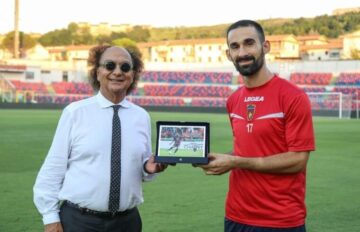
point(183, 198)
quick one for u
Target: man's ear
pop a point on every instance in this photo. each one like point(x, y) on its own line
point(266, 46)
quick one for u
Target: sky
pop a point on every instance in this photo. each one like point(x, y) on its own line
point(41, 16)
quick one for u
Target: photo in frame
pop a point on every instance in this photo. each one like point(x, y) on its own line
point(182, 142)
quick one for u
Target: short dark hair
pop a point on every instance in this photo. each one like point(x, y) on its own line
point(247, 23)
point(95, 54)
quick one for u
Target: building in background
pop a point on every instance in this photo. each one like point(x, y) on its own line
point(341, 11)
point(351, 47)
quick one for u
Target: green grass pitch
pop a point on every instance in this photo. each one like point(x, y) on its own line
point(183, 198)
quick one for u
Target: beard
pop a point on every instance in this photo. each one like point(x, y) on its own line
point(250, 69)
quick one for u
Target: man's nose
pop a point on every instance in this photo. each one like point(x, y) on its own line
point(242, 51)
point(117, 69)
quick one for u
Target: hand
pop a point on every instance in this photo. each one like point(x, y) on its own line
point(218, 164)
point(152, 167)
point(53, 227)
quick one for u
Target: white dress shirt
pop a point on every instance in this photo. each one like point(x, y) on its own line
point(77, 167)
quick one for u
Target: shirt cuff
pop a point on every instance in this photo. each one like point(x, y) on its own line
point(51, 218)
point(147, 176)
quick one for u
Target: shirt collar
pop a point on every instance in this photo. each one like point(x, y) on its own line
point(105, 103)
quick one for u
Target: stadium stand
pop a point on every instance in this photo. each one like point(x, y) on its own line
point(188, 77)
point(187, 90)
point(349, 83)
point(72, 88)
point(157, 101)
point(311, 78)
point(197, 89)
point(29, 86)
point(314, 89)
point(352, 79)
point(200, 89)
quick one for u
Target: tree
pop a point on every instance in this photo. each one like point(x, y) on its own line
point(26, 42)
point(80, 35)
point(72, 35)
point(106, 39)
point(56, 38)
point(139, 34)
point(83, 36)
point(127, 43)
point(329, 26)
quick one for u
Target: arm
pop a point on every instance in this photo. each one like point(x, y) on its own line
point(50, 177)
point(283, 163)
point(149, 165)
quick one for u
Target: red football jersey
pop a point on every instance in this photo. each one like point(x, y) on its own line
point(267, 120)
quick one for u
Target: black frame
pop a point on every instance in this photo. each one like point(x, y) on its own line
point(198, 146)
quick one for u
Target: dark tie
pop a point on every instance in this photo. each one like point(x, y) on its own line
point(114, 198)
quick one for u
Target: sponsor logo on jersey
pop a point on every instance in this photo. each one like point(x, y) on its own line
point(254, 99)
point(250, 109)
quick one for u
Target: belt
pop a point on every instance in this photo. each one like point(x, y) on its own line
point(95, 212)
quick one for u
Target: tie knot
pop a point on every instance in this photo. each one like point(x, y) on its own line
point(116, 108)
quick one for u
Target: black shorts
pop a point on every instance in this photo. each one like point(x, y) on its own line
point(231, 226)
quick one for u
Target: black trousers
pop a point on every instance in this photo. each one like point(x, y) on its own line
point(74, 220)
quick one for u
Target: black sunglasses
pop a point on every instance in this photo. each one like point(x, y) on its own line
point(111, 66)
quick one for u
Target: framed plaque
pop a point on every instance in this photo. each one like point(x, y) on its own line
point(182, 142)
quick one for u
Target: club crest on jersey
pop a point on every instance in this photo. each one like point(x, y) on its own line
point(250, 109)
